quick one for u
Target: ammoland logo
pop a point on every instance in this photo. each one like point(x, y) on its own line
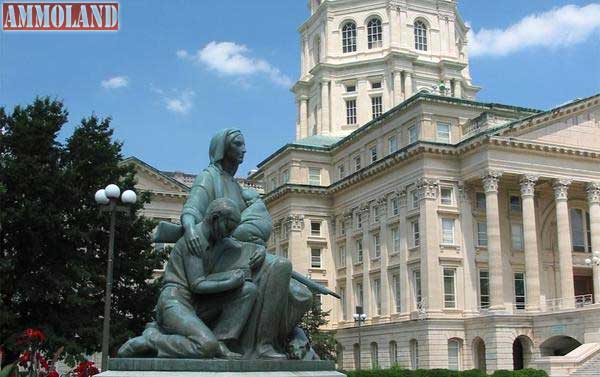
point(72, 16)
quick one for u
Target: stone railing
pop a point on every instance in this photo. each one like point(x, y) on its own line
point(557, 304)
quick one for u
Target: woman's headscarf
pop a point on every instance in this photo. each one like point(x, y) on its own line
point(220, 142)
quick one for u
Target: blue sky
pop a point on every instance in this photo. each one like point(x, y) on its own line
point(166, 99)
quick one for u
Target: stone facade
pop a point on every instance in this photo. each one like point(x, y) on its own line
point(461, 228)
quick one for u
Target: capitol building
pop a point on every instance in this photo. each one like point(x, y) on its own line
point(463, 230)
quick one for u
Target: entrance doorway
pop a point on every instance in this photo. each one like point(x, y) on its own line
point(522, 348)
point(479, 354)
point(584, 285)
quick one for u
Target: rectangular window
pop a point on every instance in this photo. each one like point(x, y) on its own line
point(359, 251)
point(482, 233)
point(577, 232)
point(284, 252)
point(314, 176)
point(373, 153)
point(520, 294)
point(350, 88)
point(273, 183)
point(376, 214)
point(515, 204)
point(377, 295)
point(417, 287)
point(359, 295)
point(395, 206)
point(414, 199)
point(446, 196)
point(448, 231)
point(392, 144)
point(315, 228)
point(341, 171)
point(377, 106)
point(359, 222)
point(343, 227)
point(285, 176)
point(357, 163)
point(443, 133)
point(484, 289)
point(480, 201)
point(376, 85)
point(315, 258)
point(342, 293)
point(449, 288)
point(396, 287)
point(395, 240)
point(453, 355)
point(416, 237)
point(412, 134)
point(342, 256)
point(351, 111)
point(516, 235)
point(376, 246)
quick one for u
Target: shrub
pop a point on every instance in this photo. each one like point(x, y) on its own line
point(473, 373)
point(503, 373)
point(530, 373)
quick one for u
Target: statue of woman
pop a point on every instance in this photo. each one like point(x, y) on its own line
point(272, 321)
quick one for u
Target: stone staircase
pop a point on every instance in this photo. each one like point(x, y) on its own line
point(589, 368)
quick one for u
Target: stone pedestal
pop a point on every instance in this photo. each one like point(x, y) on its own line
point(219, 368)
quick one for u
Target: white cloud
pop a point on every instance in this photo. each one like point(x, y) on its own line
point(556, 28)
point(231, 59)
point(180, 103)
point(115, 82)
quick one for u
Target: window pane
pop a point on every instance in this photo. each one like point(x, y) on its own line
point(443, 133)
point(397, 292)
point(515, 204)
point(351, 111)
point(577, 234)
point(315, 260)
point(315, 228)
point(520, 290)
point(484, 289)
point(420, 36)
point(349, 37)
point(453, 355)
point(449, 288)
point(376, 106)
point(392, 144)
point(446, 196)
point(516, 230)
point(314, 176)
point(480, 200)
point(448, 231)
point(481, 234)
point(374, 33)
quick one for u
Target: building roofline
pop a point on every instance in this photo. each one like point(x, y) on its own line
point(133, 159)
point(420, 96)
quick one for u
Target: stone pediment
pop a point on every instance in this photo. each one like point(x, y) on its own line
point(153, 180)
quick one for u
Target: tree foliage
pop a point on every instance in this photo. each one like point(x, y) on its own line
point(53, 241)
point(322, 341)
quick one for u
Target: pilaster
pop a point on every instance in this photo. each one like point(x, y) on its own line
point(532, 263)
point(490, 185)
point(428, 230)
point(565, 247)
point(593, 197)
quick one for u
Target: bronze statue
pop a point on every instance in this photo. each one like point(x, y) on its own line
point(219, 306)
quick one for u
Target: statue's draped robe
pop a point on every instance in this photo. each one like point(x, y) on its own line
point(281, 301)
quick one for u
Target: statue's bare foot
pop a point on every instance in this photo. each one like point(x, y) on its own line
point(226, 353)
point(137, 346)
point(266, 351)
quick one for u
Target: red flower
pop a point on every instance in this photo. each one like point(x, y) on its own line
point(43, 361)
point(33, 334)
point(24, 359)
point(53, 373)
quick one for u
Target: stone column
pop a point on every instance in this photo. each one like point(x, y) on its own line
point(532, 263)
point(468, 247)
point(431, 285)
point(457, 88)
point(405, 293)
point(395, 27)
point(565, 247)
point(408, 85)
point(593, 194)
point(303, 117)
point(325, 107)
point(398, 97)
point(490, 184)
point(350, 302)
point(385, 290)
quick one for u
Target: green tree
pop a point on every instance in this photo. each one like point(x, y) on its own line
point(53, 240)
point(322, 341)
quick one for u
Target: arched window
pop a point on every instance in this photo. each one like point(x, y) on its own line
point(393, 353)
point(374, 33)
point(349, 37)
point(374, 356)
point(580, 230)
point(420, 36)
point(339, 355)
point(454, 354)
point(356, 351)
point(414, 354)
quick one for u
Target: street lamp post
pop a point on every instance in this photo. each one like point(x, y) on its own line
point(359, 317)
point(109, 197)
point(595, 261)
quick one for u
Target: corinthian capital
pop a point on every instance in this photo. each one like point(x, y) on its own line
point(528, 185)
point(593, 192)
point(561, 187)
point(491, 178)
point(427, 188)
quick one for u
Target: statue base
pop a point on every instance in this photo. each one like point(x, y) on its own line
point(223, 368)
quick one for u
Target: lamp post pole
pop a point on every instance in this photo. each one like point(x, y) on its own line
point(109, 198)
point(359, 317)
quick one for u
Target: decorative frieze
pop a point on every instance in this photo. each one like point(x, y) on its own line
point(528, 185)
point(593, 192)
point(427, 188)
point(561, 188)
point(491, 178)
